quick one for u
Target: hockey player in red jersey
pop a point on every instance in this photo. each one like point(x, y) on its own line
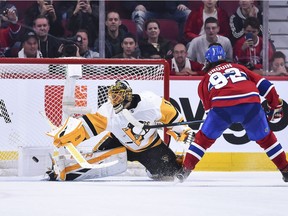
point(231, 93)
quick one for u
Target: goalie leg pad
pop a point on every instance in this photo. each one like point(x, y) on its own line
point(68, 169)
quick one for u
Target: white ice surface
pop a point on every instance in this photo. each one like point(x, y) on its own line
point(203, 194)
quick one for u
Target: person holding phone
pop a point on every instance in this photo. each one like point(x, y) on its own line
point(4, 8)
point(248, 50)
point(84, 14)
point(83, 6)
point(47, 9)
point(9, 34)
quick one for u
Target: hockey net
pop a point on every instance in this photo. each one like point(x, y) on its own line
point(35, 89)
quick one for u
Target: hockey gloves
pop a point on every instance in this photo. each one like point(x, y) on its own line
point(186, 136)
point(275, 113)
point(71, 132)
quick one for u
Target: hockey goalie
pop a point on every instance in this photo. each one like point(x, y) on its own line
point(124, 115)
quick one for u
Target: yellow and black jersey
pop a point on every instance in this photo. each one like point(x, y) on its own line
point(149, 109)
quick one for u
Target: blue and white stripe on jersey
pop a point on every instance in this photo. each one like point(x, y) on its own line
point(196, 150)
point(274, 150)
point(264, 86)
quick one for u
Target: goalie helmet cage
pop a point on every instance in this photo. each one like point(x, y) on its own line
point(55, 88)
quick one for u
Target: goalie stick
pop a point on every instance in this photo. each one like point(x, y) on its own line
point(82, 161)
point(136, 123)
point(76, 154)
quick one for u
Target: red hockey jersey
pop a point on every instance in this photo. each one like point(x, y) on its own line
point(229, 84)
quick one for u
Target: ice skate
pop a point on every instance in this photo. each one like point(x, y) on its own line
point(183, 174)
point(285, 174)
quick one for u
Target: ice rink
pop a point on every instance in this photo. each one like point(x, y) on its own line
point(203, 194)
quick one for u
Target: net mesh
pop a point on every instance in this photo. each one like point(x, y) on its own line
point(32, 90)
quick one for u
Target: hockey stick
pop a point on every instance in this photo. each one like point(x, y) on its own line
point(136, 123)
point(173, 124)
point(75, 153)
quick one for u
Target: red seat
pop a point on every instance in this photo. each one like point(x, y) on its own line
point(169, 29)
point(67, 33)
point(130, 25)
point(229, 6)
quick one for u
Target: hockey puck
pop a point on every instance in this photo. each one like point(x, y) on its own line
point(35, 159)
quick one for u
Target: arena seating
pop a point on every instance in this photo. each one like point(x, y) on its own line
point(169, 29)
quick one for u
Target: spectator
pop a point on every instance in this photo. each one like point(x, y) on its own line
point(278, 65)
point(129, 46)
point(145, 10)
point(199, 45)
point(45, 8)
point(4, 7)
point(30, 47)
point(115, 33)
point(246, 9)
point(84, 49)
point(155, 46)
point(194, 26)
point(84, 15)
point(180, 65)
point(248, 49)
point(69, 50)
point(48, 45)
point(8, 36)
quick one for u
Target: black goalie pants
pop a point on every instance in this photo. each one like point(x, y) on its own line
point(160, 160)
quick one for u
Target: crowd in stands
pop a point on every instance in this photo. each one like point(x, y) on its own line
point(52, 29)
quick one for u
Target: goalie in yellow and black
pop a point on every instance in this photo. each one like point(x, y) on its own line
point(142, 145)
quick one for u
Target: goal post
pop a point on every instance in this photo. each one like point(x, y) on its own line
point(56, 88)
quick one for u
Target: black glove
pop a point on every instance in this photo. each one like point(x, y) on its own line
point(250, 66)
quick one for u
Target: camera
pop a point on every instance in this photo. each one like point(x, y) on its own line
point(4, 12)
point(71, 46)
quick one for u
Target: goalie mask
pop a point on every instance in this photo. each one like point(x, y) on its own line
point(120, 94)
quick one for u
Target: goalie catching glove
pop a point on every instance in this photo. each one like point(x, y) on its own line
point(71, 131)
point(275, 113)
point(187, 135)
